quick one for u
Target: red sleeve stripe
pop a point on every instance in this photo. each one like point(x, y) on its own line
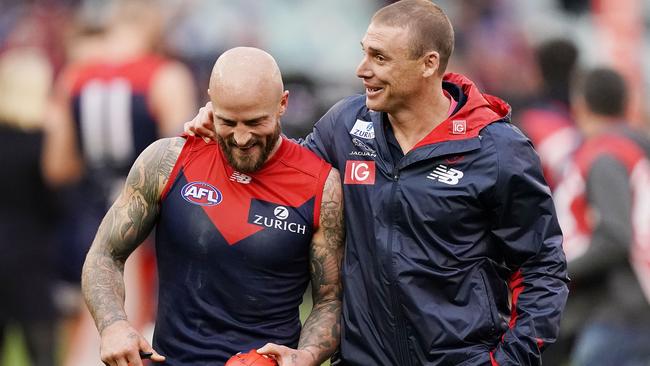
point(493, 361)
point(516, 285)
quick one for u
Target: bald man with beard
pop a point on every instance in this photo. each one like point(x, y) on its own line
point(242, 226)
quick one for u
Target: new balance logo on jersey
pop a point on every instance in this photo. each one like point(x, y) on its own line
point(240, 178)
point(445, 175)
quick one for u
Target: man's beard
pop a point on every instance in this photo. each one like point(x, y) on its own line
point(249, 163)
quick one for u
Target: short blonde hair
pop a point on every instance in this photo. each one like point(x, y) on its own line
point(428, 24)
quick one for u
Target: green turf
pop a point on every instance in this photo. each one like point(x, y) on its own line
point(13, 353)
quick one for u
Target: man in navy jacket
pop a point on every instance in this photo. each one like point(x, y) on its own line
point(453, 250)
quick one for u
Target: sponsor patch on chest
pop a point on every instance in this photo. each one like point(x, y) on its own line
point(446, 175)
point(365, 149)
point(363, 129)
point(359, 172)
point(277, 217)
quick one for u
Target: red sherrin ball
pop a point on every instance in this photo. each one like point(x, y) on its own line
point(251, 358)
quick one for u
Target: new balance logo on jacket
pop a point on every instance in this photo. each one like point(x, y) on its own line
point(445, 175)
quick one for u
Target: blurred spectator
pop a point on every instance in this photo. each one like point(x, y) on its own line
point(118, 95)
point(305, 105)
point(603, 207)
point(547, 122)
point(25, 207)
point(304, 36)
point(36, 24)
point(549, 125)
point(489, 46)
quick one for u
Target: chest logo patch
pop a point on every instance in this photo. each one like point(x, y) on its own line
point(459, 127)
point(273, 216)
point(240, 178)
point(359, 172)
point(367, 150)
point(201, 193)
point(445, 175)
point(363, 129)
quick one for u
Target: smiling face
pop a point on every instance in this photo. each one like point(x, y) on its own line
point(247, 138)
point(247, 103)
point(390, 74)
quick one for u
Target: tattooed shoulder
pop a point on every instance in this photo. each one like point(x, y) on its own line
point(168, 159)
point(154, 166)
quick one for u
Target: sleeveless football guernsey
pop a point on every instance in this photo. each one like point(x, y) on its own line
point(233, 252)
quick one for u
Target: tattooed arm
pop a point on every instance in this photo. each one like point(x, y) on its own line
point(320, 335)
point(125, 226)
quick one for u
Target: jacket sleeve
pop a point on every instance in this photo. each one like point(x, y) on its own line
point(322, 140)
point(531, 242)
point(610, 195)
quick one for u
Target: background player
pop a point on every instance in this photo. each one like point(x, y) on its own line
point(117, 96)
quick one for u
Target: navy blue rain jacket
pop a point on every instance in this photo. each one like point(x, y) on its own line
point(454, 254)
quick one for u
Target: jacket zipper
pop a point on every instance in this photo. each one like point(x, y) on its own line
point(402, 351)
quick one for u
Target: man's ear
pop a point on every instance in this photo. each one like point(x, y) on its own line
point(284, 102)
point(431, 63)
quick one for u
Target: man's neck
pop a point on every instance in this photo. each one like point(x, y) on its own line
point(598, 124)
point(275, 148)
point(412, 123)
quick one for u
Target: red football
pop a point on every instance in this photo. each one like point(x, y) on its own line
point(249, 359)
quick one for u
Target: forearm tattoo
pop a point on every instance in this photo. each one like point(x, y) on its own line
point(125, 226)
point(321, 332)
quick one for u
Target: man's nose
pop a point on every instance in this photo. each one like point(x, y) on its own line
point(363, 71)
point(242, 136)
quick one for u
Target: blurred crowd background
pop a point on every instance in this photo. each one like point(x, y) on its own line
point(86, 84)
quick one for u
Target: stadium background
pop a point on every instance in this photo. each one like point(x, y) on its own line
point(316, 44)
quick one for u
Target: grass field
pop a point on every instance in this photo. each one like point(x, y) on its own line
point(13, 353)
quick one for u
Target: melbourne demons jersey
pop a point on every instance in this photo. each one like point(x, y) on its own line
point(575, 213)
point(233, 252)
point(112, 114)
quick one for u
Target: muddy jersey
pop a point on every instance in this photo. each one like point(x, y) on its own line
point(233, 252)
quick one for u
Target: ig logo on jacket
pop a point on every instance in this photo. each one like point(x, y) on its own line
point(359, 172)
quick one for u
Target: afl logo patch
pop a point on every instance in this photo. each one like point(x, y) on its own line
point(201, 193)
